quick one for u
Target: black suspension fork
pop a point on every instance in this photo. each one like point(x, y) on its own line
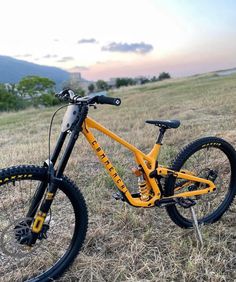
point(43, 185)
point(55, 178)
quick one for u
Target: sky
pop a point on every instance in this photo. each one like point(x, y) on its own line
point(110, 38)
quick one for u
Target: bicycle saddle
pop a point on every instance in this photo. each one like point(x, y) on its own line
point(165, 123)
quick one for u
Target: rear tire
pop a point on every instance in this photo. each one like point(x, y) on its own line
point(50, 257)
point(204, 157)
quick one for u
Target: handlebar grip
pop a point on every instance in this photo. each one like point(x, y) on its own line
point(108, 100)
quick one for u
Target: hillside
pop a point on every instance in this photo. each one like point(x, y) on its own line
point(124, 243)
point(12, 70)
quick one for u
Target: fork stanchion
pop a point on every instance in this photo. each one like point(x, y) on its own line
point(196, 226)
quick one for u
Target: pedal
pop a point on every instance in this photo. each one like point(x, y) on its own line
point(118, 196)
point(185, 202)
point(165, 202)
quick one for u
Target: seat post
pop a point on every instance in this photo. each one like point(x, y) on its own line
point(161, 135)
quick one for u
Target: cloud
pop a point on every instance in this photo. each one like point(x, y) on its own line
point(50, 56)
point(65, 59)
point(101, 62)
point(139, 48)
point(79, 68)
point(24, 56)
point(87, 40)
point(106, 62)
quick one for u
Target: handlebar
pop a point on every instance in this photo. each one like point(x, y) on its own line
point(69, 96)
point(108, 100)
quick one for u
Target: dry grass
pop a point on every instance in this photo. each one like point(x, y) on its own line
point(124, 243)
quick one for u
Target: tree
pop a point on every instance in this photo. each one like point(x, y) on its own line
point(102, 85)
point(124, 81)
point(11, 88)
point(144, 80)
point(164, 75)
point(35, 86)
point(154, 79)
point(9, 101)
point(48, 100)
point(91, 87)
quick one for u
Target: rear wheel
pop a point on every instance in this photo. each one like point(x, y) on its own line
point(63, 233)
point(210, 158)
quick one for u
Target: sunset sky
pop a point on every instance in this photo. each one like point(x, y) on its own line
point(110, 38)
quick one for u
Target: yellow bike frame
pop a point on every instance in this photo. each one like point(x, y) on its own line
point(147, 162)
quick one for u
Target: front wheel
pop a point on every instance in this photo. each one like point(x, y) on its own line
point(210, 158)
point(62, 235)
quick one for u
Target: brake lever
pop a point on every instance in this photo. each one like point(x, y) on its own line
point(94, 106)
point(66, 95)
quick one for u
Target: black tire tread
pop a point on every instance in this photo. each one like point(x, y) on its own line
point(41, 173)
point(178, 162)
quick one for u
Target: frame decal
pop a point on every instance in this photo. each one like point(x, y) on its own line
point(108, 165)
point(148, 164)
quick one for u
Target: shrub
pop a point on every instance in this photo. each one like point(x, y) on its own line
point(48, 100)
point(164, 75)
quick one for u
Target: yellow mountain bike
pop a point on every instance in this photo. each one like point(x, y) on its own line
point(37, 204)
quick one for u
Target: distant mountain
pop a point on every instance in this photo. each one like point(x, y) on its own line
point(12, 70)
point(226, 72)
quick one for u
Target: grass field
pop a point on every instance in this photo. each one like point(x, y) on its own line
point(124, 243)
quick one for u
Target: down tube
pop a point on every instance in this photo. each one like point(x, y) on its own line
point(112, 171)
point(140, 157)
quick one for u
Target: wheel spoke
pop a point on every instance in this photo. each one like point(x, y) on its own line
point(19, 262)
point(216, 163)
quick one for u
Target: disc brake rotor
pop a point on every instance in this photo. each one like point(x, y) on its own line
point(13, 239)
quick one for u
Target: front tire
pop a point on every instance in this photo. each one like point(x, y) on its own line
point(205, 157)
point(67, 221)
